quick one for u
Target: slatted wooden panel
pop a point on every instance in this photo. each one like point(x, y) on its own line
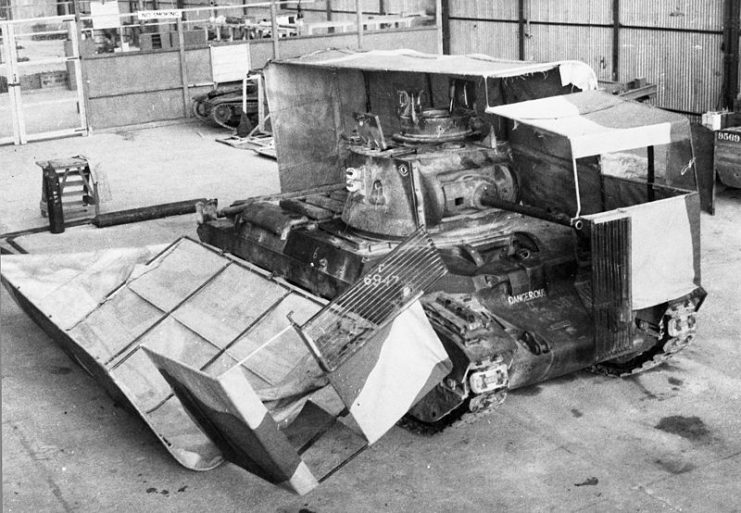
point(611, 287)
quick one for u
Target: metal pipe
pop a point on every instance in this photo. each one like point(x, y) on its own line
point(136, 215)
point(440, 22)
point(359, 13)
point(521, 29)
point(183, 68)
point(651, 178)
point(615, 39)
point(274, 28)
point(542, 23)
point(576, 183)
point(81, 81)
point(536, 212)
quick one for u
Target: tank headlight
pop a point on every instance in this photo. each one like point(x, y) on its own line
point(354, 180)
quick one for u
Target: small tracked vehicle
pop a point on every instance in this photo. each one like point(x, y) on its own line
point(223, 106)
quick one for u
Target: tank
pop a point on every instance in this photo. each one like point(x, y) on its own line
point(567, 218)
point(726, 162)
point(449, 228)
point(223, 105)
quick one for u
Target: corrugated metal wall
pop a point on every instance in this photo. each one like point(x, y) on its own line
point(488, 27)
point(676, 45)
point(570, 29)
point(592, 45)
point(686, 61)
point(374, 6)
point(677, 14)
point(346, 9)
point(569, 11)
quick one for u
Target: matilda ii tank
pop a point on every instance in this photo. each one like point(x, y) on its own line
point(566, 217)
point(449, 228)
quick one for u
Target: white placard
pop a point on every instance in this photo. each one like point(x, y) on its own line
point(153, 15)
point(105, 15)
point(230, 63)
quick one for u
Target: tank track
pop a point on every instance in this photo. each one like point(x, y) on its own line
point(483, 406)
point(676, 331)
point(218, 110)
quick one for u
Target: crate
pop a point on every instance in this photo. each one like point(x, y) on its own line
point(53, 79)
point(714, 120)
point(32, 81)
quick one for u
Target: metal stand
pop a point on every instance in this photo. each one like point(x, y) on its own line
point(78, 186)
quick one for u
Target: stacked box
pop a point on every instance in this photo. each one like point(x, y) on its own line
point(714, 120)
point(51, 79)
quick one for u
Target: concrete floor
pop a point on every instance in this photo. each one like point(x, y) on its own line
point(143, 167)
point(667, 440)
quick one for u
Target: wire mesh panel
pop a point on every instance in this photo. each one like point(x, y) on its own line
point(344, 325)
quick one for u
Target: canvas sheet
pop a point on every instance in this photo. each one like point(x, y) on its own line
point(380, 383)
point(312, 99)
point(476, 65)
point(595, 123)
point(665, 262)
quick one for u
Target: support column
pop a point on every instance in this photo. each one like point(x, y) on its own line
point(615, 40)
point(442, 18)
point(183, 69)
point(359, 16)
point(85, 91)
point(274, 28)
point(521, 28)
point(731, 32)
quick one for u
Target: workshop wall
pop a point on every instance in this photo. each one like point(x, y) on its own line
point(675, 45)
point(124, 90)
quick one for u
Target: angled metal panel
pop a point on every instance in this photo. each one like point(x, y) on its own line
point(230, 412)
point(183, 304)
